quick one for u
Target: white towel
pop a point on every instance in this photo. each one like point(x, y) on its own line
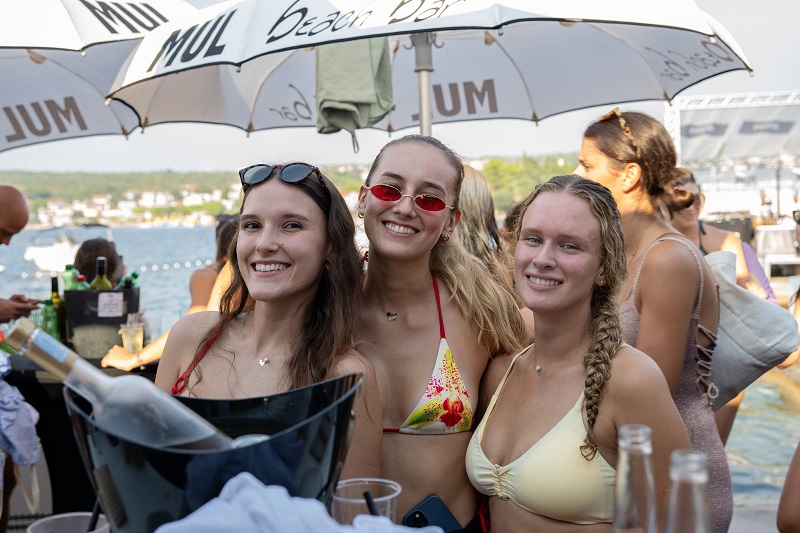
point(246, 505)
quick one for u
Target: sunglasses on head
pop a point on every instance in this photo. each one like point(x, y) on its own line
point(626, 130)
point(292, 173)
point(390, 193)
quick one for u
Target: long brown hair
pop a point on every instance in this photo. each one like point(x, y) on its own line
point(477, 294)
point(632, 137)
point(606, 331)
point(331, 317)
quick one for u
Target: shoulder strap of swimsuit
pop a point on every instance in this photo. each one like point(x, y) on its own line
point(183, 380)
point(505, 376)
point(439, 307)
point(663, 238)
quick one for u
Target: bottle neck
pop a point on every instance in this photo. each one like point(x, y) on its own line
point(43, 349)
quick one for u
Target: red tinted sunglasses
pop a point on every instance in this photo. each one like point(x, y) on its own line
point(390, 193)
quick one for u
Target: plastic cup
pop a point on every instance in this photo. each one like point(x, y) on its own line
point(132, 337)
point(68, 523)
point(349, 500)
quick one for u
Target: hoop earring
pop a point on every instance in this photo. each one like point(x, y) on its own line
point(360, 214)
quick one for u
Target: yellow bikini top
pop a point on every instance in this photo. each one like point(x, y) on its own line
point(551, 478)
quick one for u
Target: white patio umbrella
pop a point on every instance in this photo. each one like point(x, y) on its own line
point(58, 59)
point(238, 63)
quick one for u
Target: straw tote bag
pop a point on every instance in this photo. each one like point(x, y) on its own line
point(754, 334)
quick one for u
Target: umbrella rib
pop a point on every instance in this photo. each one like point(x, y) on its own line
point(102, 95)
point(534, 114)
point(261, 86)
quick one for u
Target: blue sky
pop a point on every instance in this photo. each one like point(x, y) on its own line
point(766, 31)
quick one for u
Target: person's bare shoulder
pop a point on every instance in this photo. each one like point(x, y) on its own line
point(187, 332)
point(669, 261)
point(633, 373)
point(352, 362)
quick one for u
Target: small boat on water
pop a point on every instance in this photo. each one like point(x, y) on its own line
point(55, 248)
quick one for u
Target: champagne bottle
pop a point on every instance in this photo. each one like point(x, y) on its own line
point(61, 310)
point(635, 492)
point(688, 511)
point(128, 406)
point(100, 281)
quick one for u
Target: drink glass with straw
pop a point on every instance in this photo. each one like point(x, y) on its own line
point(132, 333)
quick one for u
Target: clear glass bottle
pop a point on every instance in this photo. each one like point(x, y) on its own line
point(128, 406)
point(688, 510)
point(100, 281)
point(635, 492)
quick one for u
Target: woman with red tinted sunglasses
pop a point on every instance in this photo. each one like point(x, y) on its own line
point(288, 317)
point(432, 317)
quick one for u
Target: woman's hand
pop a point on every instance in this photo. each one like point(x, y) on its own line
point(119, 357)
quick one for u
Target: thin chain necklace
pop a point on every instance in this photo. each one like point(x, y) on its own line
point(639, 241)
point(536, 364)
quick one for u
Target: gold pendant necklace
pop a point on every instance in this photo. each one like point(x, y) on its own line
point(391, 316)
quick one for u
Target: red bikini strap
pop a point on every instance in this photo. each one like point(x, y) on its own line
point(180, 385)
point(439, 307)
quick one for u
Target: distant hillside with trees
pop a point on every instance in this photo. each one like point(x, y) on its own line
point(511, 180)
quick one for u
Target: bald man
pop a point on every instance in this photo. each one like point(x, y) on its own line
point(13, 217)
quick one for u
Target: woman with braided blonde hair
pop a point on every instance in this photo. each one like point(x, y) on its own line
point(546, 450)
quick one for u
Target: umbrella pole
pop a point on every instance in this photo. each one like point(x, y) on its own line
point(778, 190)
point(423, 67)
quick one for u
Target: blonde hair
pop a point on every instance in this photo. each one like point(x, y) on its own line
point(478, 231)
point(606, 331)
point(476, 292)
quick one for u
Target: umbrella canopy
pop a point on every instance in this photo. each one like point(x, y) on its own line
point(58, 60)
point(234, 63)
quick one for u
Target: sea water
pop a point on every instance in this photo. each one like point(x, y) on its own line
point(760, 447)
point(164, 258)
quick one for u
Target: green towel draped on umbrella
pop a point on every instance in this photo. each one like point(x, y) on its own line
point(354, 85)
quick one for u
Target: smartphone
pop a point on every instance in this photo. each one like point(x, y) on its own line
point(432, 511)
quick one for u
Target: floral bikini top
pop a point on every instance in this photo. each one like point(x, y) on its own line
point(445, 406)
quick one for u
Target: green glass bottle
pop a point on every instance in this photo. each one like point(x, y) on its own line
point(50, 319)
point(61, 310)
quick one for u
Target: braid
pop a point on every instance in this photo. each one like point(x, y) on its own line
point(606, 340)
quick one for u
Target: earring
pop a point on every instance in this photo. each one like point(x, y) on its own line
point(601, 282)
point(446, 236)
point(360, 214)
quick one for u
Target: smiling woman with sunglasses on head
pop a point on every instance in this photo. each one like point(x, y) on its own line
point(288, 317)
point(432, 316)
point(668, 303)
